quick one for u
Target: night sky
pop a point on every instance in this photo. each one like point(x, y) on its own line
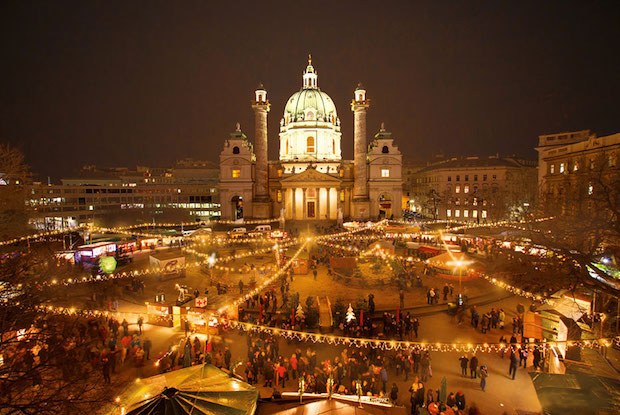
point(149, 82)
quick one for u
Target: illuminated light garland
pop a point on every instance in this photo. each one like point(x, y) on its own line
point(39, 235)
point(514, 290)
point(347, 341)
point(400, 344)
point(264, 284)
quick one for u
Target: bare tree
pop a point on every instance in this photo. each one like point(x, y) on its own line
point(14, 174)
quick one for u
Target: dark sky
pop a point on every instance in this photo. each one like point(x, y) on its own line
point(149, 82)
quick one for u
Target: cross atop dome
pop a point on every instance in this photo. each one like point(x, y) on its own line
point(310, 77)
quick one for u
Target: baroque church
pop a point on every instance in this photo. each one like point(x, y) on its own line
point(310, 181)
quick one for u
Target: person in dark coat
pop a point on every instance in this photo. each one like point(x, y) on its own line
point(514, 363)
point(473, 366)
point(464, 361)
point(394, 393)
point(147, 348)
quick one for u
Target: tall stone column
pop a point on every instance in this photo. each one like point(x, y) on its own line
point(361, 203)
point(261, 201)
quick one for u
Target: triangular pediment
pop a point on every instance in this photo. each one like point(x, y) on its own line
point(310, 175)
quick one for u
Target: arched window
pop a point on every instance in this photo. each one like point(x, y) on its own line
point(310, 145)
point(385, 150)
point(235, 150)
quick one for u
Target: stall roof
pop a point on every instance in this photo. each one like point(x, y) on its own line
point(168, 254)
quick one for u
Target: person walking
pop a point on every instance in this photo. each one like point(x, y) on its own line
point(147, 348)
point(140, 322)
point(523, 355)
point(415, 325)
point(105, 367)
point(464, 361)
point(446, 291)
point(394, 393)
point(473, 366)
point(314, 272)
point(125, 328)
point(484, 373)
point(384, 379)
point(514, 363)
point(401, 296)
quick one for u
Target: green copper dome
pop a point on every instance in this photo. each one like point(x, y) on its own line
point(310, 98)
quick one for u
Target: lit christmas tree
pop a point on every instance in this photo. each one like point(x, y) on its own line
point(350, 314)
point(299, 313)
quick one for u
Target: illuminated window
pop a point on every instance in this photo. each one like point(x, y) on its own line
point(484, 214)
point(342, 195)
point(279, 172)
point(552, 169)
point(561, 167)
point(576, 166)
point(385, 172)
point(310, 145)
point(591, 164)
point(590, 189)
point(457, 189)
point(236, 173)
point(448, 213)
point(457, 213)
point(466, 188)
point(279, 196)
point(474, 213)
point(466, 213)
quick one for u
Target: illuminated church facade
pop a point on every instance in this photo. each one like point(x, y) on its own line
point(310, 180)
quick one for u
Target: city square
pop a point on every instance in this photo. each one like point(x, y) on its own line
point(324, 261)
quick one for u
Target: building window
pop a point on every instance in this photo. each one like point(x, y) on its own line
point(466, 188)
point(484, 177)
point(279, 196)
point(475, 177)
point(385, 172)
point(576, 166)
point(494, 177)
point(457, 188)
point(457, 213)
point(458, 178)
point(236, 173)
point(467, 177)
point(591, 164)
point(342, 195)
point(385, 150)
point(552, 169)
point(235, 150)
point(449, 178)
point(279, 172)
point(475, 201)
point(475, 188)
point(590, 189)
point(561, 167)
point(474, 214)
point(310, 145)
point(484, 214)
point(611, 161)
point(449, 213)
point(466, 213)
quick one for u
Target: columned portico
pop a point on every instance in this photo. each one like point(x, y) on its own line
point(320, 203)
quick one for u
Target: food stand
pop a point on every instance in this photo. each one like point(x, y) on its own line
point(162, 315)
point(301, 264)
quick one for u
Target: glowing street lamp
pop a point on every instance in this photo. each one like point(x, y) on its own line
point(459, 264)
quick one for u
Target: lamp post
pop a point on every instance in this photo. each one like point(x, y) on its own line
point(459, 264)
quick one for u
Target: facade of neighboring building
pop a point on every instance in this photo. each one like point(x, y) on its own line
point(310, 181)
point(186, 192)
point(575, 169)
point(474, 189)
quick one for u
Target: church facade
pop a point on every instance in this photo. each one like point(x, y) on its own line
point(310, 180)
